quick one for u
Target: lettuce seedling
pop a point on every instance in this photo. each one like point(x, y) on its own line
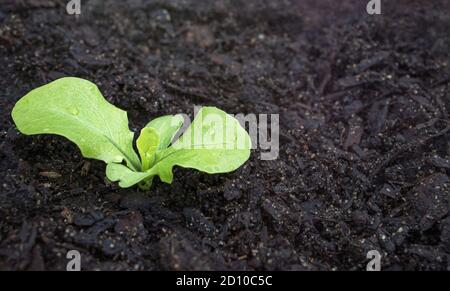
point(214, 142)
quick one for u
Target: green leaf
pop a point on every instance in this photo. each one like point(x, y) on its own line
point(75, 108)
point(125, 176)
point(166, 127)
point(215, 142)
point(147, 144)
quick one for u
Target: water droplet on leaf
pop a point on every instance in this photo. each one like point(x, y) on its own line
point(74, 111)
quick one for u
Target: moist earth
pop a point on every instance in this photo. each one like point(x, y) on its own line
point(363, 102)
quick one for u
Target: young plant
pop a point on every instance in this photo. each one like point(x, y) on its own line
point(74, 108)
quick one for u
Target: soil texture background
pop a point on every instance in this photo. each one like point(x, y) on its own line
point(363, 100)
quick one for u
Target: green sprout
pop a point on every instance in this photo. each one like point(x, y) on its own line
point(214, 142)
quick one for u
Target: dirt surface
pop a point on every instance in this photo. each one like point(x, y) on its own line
point(364, 106)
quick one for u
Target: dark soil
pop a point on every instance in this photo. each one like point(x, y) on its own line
point(364, 105)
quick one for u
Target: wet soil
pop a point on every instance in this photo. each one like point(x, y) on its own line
point(364, 105)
